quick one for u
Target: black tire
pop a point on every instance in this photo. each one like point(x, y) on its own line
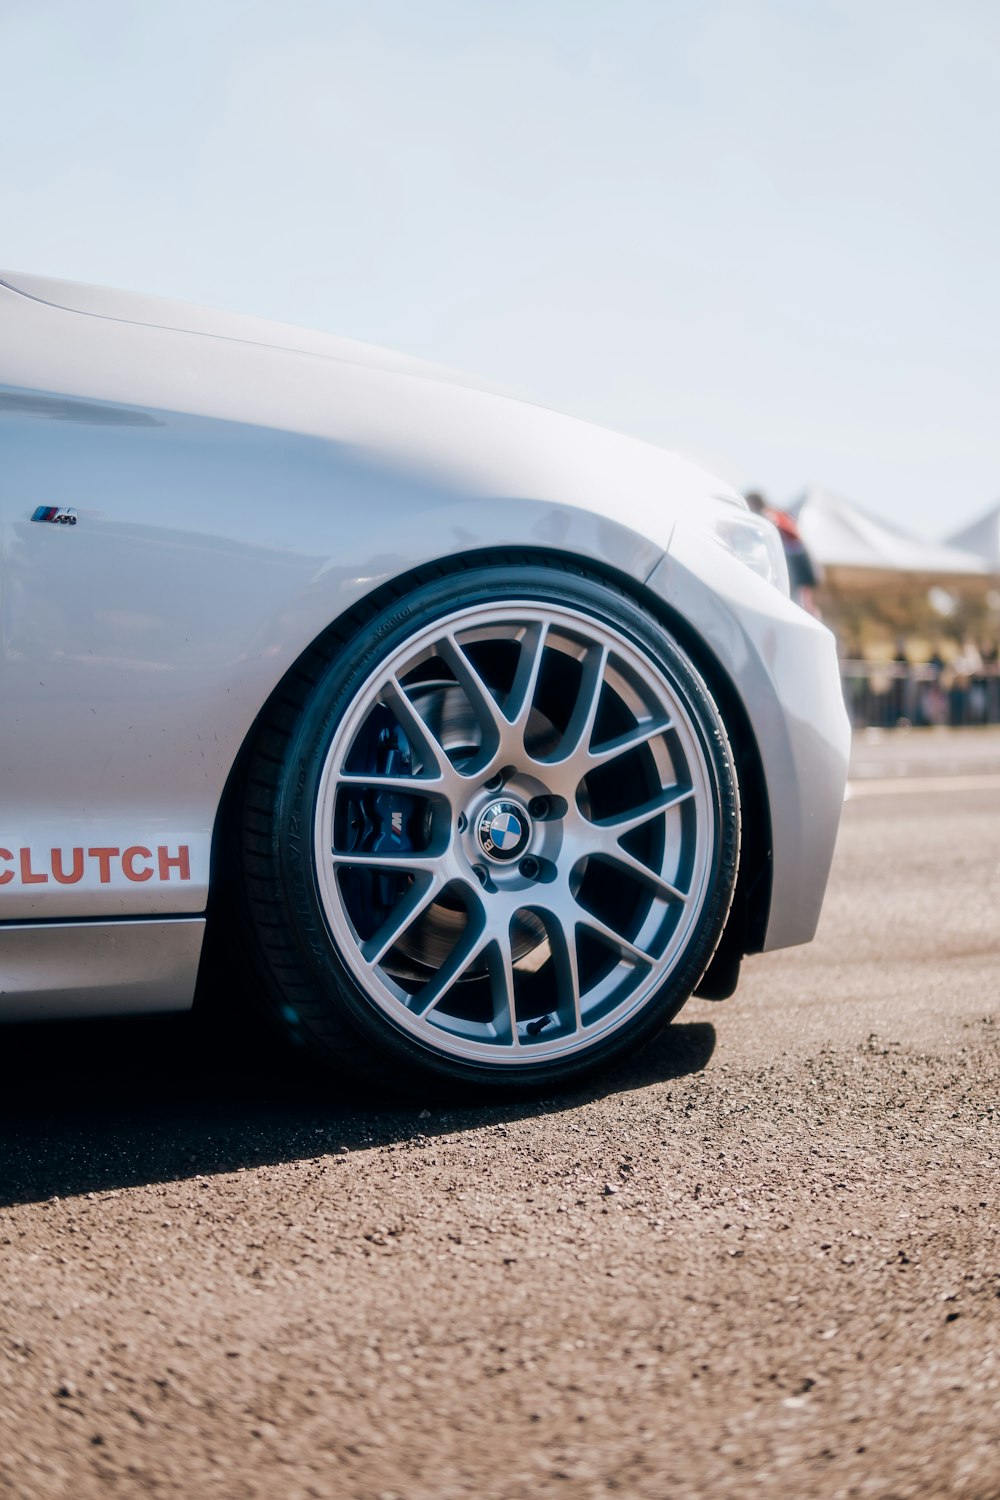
point(315, 983)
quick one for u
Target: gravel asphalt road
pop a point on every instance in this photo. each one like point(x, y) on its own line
point(762, 1260)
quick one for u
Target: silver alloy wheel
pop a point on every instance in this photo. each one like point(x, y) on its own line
point(514, 833)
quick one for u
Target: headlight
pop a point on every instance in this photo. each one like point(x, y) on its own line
point(756, 542)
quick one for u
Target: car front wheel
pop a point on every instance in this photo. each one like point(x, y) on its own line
point(490, 832)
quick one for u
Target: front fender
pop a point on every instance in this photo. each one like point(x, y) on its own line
point(782, 665)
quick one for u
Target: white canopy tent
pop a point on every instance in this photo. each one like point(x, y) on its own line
point(982, 538)
point(856, 550)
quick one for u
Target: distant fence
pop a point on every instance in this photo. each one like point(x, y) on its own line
point(886, 694)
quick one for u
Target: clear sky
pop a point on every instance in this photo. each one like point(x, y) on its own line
point(766, 233)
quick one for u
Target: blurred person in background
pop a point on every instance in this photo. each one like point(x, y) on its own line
point(803, 574)
point(991, 681)
point(964, 699)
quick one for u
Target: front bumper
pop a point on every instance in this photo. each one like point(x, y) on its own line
point(782, 664)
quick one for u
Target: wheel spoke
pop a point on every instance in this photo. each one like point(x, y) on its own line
point(406, 861)
point(468, 948)
point(412, 905)
point(626, 948)
point(622, 823)
point(567, 966)
point(529, 664)
point(432, 753)
point(501, 966)
point(417, 786)
point(617, 855)
point(579, 731)
point(633, 739)
point(485, 707)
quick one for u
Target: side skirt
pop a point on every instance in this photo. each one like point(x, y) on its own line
point(56, 970)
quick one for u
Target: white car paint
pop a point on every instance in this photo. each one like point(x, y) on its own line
point(238, 486)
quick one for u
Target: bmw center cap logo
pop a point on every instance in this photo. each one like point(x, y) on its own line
point(503, 830)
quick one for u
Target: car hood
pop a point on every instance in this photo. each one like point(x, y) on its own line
point(188, 317)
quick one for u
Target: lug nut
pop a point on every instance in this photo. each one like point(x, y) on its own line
point(463, 822)
point(494, 784)
point(480, 873)
point(529, 867)
point(539, 807)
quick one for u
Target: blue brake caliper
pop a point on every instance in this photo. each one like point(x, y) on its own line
point(383, 821)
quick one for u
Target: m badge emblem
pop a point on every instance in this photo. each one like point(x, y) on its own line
point(58, 515)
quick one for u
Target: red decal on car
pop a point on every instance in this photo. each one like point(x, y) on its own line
point(69, 866)
point(128, 863)
point(104, 858)
point(59, 874)
point(28, 875)
point(179, 862)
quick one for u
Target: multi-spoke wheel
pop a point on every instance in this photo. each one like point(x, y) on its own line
point(498, 839)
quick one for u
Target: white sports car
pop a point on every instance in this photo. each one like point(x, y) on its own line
point(480, 736)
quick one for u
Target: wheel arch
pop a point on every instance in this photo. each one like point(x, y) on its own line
point(748, 916)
